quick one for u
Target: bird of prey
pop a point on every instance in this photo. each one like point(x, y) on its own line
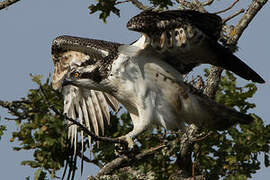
point(146, 76)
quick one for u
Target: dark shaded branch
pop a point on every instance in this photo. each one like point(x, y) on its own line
point(184, 160)
point(233, 15)
point(138, 4)
point(228, 8)
point(93, 135)
point(12, 107)
point(6, 3)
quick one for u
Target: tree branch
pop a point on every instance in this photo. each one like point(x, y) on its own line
point(127, 160)
point(213, 82)
point(12, 106)
point(138, 4)
point(233, 15)
point(194, 5)
point(184, 160)
point(243, 23)
point(208, 3)
point(215, 72)
point(7, 3)
point(228, 8)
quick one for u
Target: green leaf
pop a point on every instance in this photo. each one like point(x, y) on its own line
point(39, 175)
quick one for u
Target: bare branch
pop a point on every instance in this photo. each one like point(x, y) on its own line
point(185, 3)
point(7, 3)
point(208, 3)
point(190, 136)
point(127, 160)
point(121, 2)
point(233, 15)
point(228, 8)
point(243, 23)
point(138, 4)
point(213, 82)
point(194, 5)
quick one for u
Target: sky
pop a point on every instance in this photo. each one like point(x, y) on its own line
point(28, 27)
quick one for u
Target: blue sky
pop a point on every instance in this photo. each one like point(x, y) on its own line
point(29, 26)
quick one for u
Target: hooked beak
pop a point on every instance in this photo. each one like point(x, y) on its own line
point(67, 82)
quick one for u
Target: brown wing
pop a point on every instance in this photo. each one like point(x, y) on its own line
point(150, 21)
point(188, 38)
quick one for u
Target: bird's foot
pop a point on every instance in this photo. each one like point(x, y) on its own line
point(124, 148)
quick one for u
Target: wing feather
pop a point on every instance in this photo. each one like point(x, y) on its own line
point(86, 118)
point(98, 111)
point(151, 21)
point(104, 106)
point(90, 107)
point(186, 39)
point(111, 101)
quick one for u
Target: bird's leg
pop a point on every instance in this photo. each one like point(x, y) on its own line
point(140, 123)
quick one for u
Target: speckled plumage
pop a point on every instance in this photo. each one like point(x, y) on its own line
point(150, 89)
point(89, 51)
point(188, 38)
point(146, 76)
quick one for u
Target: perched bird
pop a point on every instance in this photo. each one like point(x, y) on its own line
point(146, 76)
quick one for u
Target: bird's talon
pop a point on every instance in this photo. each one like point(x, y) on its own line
point(124, 148)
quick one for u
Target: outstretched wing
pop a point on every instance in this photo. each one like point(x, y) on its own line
point(187, 38)
point(89, 106)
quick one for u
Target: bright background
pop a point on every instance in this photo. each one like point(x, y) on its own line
point(28, 27)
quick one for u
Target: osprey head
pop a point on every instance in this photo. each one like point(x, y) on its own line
point(88, 77)
point(89, 57)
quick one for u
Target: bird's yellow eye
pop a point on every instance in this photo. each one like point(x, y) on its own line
point(76, 74)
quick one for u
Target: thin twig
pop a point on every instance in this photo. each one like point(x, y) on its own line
point(121, 2)
point(228, 8)
point(94, 136)
point(194, 5)
point(7, 3)
point(208, 3)
point(139, 5)
point(233, 15)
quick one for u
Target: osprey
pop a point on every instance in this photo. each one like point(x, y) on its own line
point(146, 76)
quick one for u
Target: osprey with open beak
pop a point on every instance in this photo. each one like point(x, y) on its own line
point(146, 76)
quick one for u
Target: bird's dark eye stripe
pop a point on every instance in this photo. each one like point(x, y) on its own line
point(85, 75)
point(94, 75)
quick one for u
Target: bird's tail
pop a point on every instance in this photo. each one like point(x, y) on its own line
point(217, 116)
